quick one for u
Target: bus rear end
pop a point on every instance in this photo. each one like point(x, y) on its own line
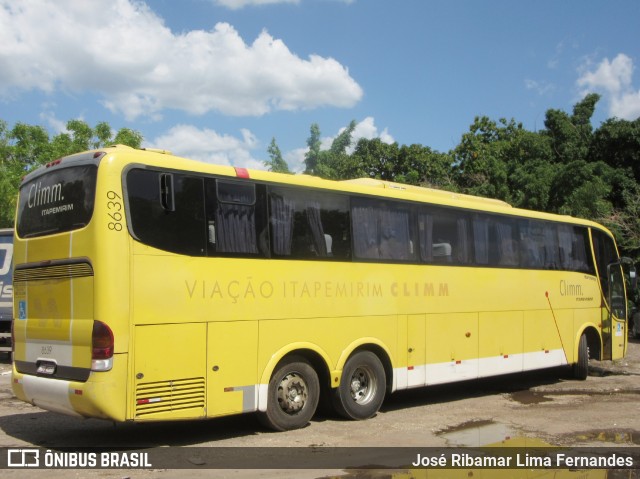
point(64, 357)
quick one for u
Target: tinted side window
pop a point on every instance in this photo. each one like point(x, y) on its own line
point(167, 211)
point(307, 224)
point(574, 247)
point(495, 241)
point(236, 223)
point(605, 253)
point(382, 230)
point(444, 236)
point(539, 245)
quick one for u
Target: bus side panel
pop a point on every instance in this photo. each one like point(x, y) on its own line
point(452, 347)
point(232, 376)
point(416, 350)
point(500, 345)
point(542, 344)
point(169, 371)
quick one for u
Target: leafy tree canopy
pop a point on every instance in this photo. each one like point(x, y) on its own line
point(25, 147)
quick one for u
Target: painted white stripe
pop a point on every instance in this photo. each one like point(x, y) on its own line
point(263, 395)
point(449, 372)
point(49, 394)
point(441, 373)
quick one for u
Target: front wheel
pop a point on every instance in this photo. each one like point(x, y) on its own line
point(581, 368)
point(294, 391)
point(362, 387)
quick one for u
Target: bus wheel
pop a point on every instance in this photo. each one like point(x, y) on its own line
point(362, 387)
point(294, 391)
point(581, 368)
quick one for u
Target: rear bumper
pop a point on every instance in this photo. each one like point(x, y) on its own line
point(103, 395)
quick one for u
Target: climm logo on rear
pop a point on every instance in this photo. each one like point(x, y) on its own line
point(43, 195)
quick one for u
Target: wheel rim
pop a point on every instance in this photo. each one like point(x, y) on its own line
point(364, 385)
point(292, 393)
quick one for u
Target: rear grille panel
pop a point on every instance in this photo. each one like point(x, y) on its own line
point(79, 269)
point(168, 396)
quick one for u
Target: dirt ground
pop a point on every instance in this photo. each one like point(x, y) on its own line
point(604, 410)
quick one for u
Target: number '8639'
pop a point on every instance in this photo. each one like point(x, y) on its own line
point(114, 211)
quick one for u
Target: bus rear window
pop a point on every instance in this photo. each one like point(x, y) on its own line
point(61, 200)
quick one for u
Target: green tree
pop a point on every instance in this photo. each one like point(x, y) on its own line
point(334, 163)
point(125, 136)
point(617, 143)
point(414, 164)
point(570, 135)
point(481, 159)
point(311, 158)
point(625, 224)
point(275, 162)
point(420, 165)
point(25, 147)
point(372, 158)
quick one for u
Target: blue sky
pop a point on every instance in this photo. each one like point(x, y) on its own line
point(215, 80)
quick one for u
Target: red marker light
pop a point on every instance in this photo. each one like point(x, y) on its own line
point(242, 172)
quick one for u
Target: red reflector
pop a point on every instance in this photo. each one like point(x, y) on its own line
point(228, 390)
point(242, 172)
point(458, 362)
point(53, 163)
point(101, 341)
point(506, 356)
point(410, 368)
point(142, 401)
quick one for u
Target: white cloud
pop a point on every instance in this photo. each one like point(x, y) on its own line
point(295, 159)
point(122, 51)
point(367, 129)
point(614, 80)
point(237, 4)
point(56, 124)
point(540, 87)
point(209, 146)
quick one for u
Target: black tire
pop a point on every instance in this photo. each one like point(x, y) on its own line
point(581, 368)
point(362, 387)
point(294, 391)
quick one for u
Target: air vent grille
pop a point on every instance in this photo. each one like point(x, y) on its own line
point(169, 396)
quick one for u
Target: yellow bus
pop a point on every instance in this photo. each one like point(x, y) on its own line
point(150, 287)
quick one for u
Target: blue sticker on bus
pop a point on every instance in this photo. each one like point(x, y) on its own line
point(22, 309)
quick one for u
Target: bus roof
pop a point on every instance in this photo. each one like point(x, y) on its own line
point(366, 186)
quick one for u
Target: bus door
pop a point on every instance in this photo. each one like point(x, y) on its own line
point(614, 303)
point(618, 310)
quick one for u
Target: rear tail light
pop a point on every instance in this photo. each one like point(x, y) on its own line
point(101, 347)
